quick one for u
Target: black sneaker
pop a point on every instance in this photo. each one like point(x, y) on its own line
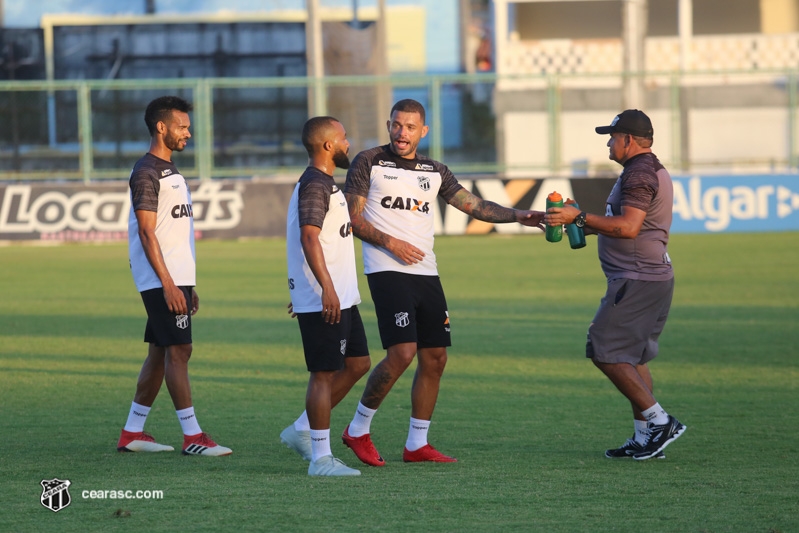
point(660, 437)
point(628, 449)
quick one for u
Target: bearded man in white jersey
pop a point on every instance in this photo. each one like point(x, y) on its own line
point(162, 261)
point(391, 191)
point(324, 294)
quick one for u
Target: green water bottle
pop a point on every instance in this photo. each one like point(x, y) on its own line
point(554, 233)
point(576, 234)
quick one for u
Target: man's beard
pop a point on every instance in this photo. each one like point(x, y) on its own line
point(341, 160)
point(173, 143)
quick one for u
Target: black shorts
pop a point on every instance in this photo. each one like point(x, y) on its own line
point(629, 321)
point(410, 308)
point(165, 328)
point(326, 345)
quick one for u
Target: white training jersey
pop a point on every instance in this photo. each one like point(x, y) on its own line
point(156, 185)
point(400, 198)
point(317, 201)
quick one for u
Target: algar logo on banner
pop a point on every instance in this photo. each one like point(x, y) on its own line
point(26, 210)
point(736, 203)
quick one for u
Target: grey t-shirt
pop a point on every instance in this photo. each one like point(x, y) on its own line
point(314, 196)
point(644, 184)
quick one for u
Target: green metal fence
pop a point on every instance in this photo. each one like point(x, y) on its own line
point(93, 129)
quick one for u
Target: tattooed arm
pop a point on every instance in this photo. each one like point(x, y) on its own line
point(365, 231)
point(487, 211)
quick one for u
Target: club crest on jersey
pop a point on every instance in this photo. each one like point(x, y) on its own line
point(55, 494)
point(182, 321)
point(423, 166)
point(402, 319)
point(424, 183)
point(343, 346)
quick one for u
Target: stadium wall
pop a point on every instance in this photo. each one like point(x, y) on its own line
point(230, 209)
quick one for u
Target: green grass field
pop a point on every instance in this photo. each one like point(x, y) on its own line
point(526, 414)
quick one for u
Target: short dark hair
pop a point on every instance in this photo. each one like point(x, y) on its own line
point(409, 106)
point(159, 109)
point(312, 129)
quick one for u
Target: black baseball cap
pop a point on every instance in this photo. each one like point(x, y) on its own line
point(632, 121)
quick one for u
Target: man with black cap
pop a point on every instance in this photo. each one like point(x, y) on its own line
point(632, 238)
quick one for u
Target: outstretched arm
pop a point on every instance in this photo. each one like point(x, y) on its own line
point(365, 231)
point(625, 226)
point(480, 209)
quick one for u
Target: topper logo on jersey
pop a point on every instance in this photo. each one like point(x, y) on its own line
point(408, 204)
point(345, 230)
point(182, 210)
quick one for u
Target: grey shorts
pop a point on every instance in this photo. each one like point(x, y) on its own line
point(629, 321)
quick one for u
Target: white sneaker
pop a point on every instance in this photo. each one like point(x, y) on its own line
point(330, 466)
point(299, 441)
point(201, 444)
point(140, 442)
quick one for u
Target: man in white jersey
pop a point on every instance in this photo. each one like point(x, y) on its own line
point(162, 261)
point(324, 294)
point(391, 191)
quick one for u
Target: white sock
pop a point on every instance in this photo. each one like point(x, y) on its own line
point(362, 421)
point(320, 443)
point(417, 434)
point(137, 417)
point(188, 421)
point(302, 423)
point(656, 415)
point(641, 433)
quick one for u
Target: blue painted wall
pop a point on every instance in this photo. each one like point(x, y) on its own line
point(442, 17)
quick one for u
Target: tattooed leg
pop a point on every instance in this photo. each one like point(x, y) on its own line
point(386, 373)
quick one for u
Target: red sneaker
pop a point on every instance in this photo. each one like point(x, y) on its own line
point(426, 453)
point(363, 448)
point(201, 444)
point(140, 442)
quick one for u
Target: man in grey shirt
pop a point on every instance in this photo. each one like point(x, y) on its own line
point(632, 238)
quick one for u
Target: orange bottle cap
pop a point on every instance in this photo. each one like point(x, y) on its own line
point(555, 197)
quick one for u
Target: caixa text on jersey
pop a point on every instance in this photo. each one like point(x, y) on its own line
point(409, 204)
